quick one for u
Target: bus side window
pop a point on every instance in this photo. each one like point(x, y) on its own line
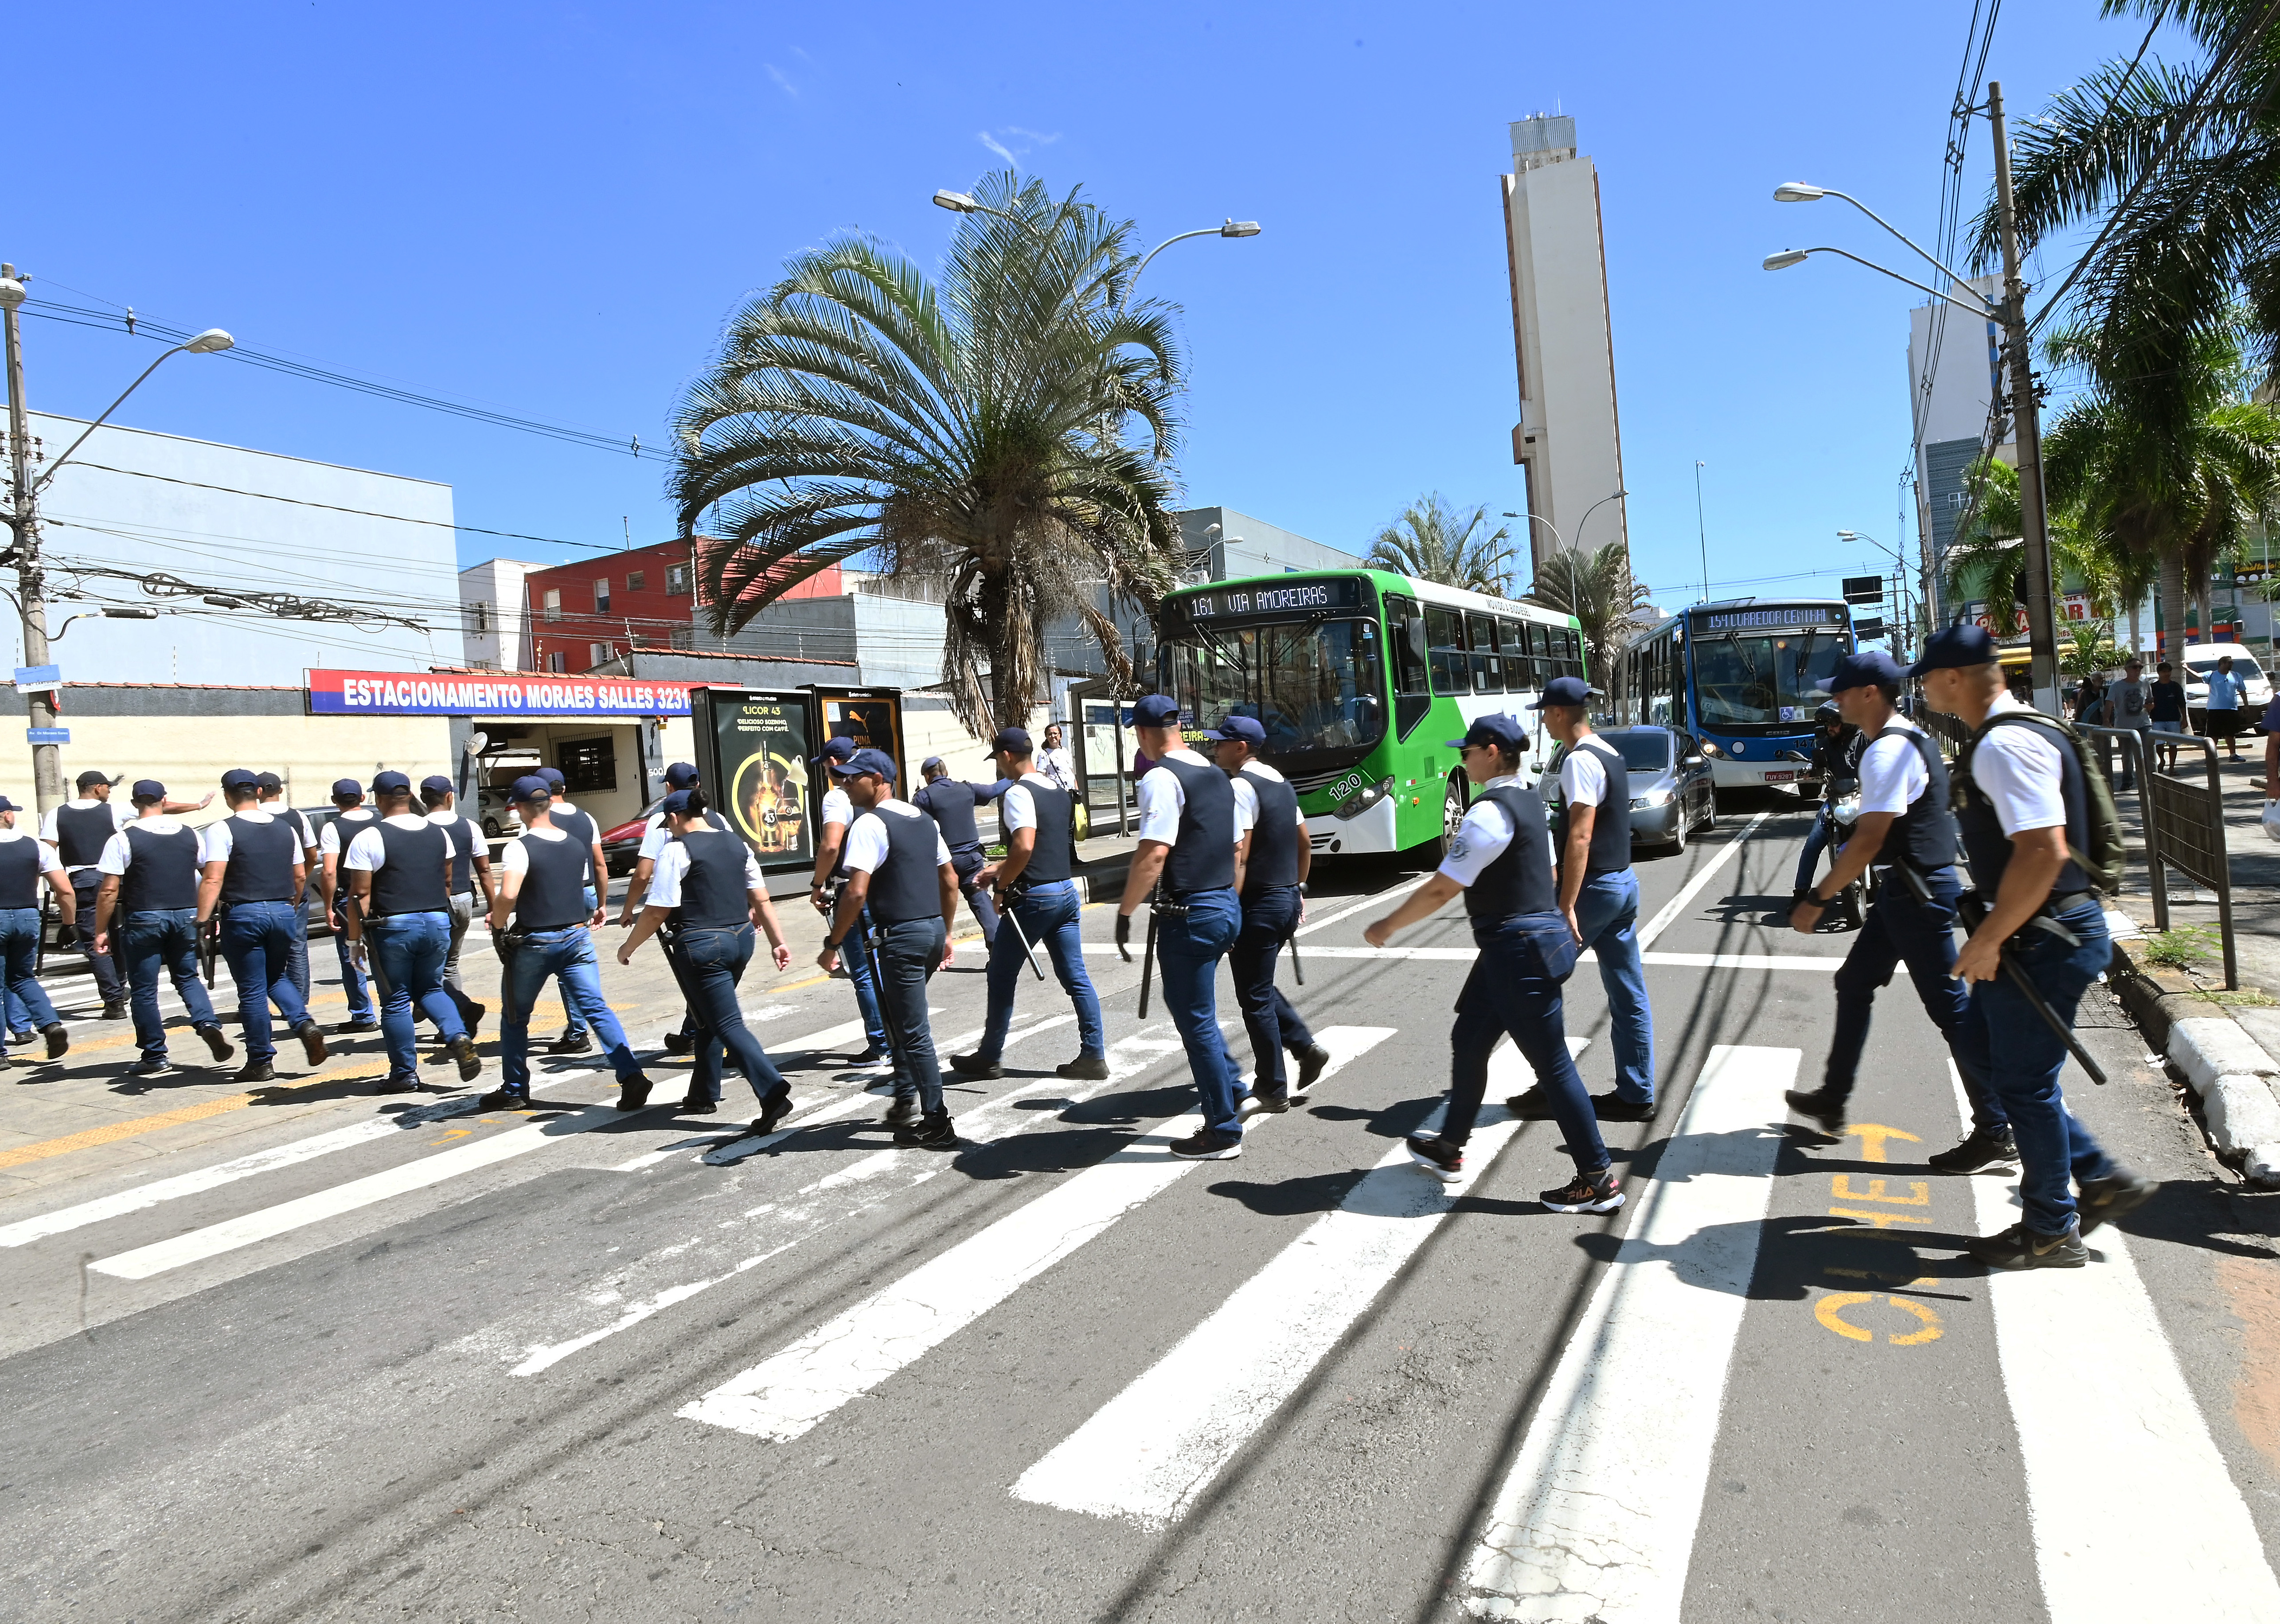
point(1573, 645)
point(1539, 657)
point(1445, 635)
point(1488, 669)
point(1512, 648)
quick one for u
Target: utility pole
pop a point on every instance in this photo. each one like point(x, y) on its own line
point(46, 760)
point(2026, 428)
point(1702, 530)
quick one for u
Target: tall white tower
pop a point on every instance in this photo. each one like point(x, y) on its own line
point(1567, 438)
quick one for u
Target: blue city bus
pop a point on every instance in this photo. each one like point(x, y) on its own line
point(1744, 676)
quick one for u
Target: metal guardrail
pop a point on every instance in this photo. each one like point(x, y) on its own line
point(2183, 820)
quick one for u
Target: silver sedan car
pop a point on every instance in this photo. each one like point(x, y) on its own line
point(1671, 794)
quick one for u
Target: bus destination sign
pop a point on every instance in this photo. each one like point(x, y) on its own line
point(1251, 602)
point(1768, 620)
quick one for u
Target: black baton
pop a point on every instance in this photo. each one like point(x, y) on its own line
point(1297, 968)
point(1006, 917)
point(1148, 960)
point(1973, 911)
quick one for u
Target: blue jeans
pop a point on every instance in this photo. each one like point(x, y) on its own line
point(2007, 1042)
point(108, 984)
point(1514, 987)
point(708, 964)
point(574, 1024)
point(407, 960)
point(296, 956)
point(1269, 915)
point(258, 940)
point(167, 939)
point(352, 979)
point(1816, 841)
point(20, 1019)
point(858, 966)
point(1899, 929)
point(906, 951)
point(1050, 915)
point(1189, 948)
point(1607, 914)
point(20, 943)
point(967, 862)
point(567, 954)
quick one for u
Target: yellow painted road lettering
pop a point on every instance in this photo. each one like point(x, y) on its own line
point(1872, 1137)
point(1881, 1220)
point(1841, 1188)
point(1831, 1312)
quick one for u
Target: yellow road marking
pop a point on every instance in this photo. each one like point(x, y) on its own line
point(1841, 1188)
point(1881, 1220)
point(1831, 1312)
point(112, 1132)
point(1872, 1137)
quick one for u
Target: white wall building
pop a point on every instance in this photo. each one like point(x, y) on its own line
point(1954, 370)
point(1567, 439)
point(496, 614)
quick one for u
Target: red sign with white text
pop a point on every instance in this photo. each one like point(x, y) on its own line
point(490, 693)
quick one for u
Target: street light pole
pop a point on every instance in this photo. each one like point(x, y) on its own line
point(1702, 530)
point(2026, 427)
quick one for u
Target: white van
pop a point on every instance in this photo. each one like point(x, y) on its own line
point(2201, 662)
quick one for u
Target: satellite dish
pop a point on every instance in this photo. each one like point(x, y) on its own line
point(476, 743)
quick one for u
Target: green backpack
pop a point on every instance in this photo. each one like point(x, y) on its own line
point(2104, 860)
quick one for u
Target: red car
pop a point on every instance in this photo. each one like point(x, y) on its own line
point(621, 846)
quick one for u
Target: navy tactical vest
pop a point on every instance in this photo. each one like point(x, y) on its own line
point(1202, 854)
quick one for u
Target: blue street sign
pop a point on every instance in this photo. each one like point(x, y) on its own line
point(46, 735)
point(39, 676)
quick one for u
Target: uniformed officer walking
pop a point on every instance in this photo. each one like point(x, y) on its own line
point(951, 802)
point(707, 896)
point(1592, 838)
point(838, 815)
point(471, 885)
point(150, 895)
point(1501, 861)
point(543, 919)
point(898, 874)
point(25, 861)
point(78, 830)
point(582, 828)
point(1276, 859)
point(1905, 829)
point(1033, 882)
point(250, 897)
point(1189, 827)
point(272, 788)
point(351, 817)
point(399, 913)
point(2024, 812)
point(655, 835)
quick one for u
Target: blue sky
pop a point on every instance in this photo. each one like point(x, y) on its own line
point(552, 210)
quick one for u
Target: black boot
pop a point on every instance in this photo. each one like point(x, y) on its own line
point(930, 1132)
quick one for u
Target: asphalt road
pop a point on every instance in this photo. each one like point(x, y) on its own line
point(378, 1358)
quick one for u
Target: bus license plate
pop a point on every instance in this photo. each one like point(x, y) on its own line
point(1781, 777)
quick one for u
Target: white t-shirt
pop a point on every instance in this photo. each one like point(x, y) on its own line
point(278, 809)
point(839, 807)
point(117, 854)
point(866, 837)
point(672, 864)
point(354, 819)
point(1482, 836)
point(368, 852)
point(121, 815)
point(1246, 799)
point(216, 843)
point(1056, 767)
point(2017, 769)
point(1892, 771)
point(1017, 808)
point(1161, 799)
point(1583, 777)
point(49, 861)
point(515, 861)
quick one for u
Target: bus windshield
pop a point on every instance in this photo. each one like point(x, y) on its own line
point(1745, 680)
point(1313, 686)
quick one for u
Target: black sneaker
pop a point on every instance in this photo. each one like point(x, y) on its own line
point(633, 1093)
point(930, 1132)
point(2021, 1248)
point(1586, 1192)
point(217, 1045)
point(1975, 1152)
point(1444, 1161)
point(59, 1040)
point(1531, 1104)
point(115, 1009)
point(1084, 1068)
point(692, 1106)
point(475, 1019)
point(2101, 1201)
point(872, 1055)
point(312, 1041)
point(1208, 1147)
point(903, 1113)
point(1826, 1114)
point(675, 1043)
point(151, 1069)
point(402, 1085)
point(463, 1051)
point(1613, 1107)
point(367, 1024)
point(773, 1110)
point(1270, 1099)
point(580, 1042)
point(255, 1070)
point(1310, 1064)
point(505, 1099)
point(974, 1065)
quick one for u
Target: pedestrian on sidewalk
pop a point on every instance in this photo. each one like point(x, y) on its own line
point(2023, 813)
point(78, 830)
point(1032, 884)
point(351, 817)
point(707, 897)
point(2227, 694)
point(655, 834)
point(25, 861)
point(2129, 704)
point(830, 880)
point(1274, 860)
point(1501, 861)
point(272, 788)
point(398, 914)
point(950, 802)
point(2165, 710)
point(1905, 830)
point(151, 891)
point(2270, 728)
point(1190, 824)
point(1057, 765)
point(899, 878)
point(542, 919)
point(255, 871)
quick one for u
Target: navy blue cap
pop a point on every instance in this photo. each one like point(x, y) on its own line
point(932, 762)
point(1156, 710)
point(1865, 669)
point(268, 781)
point(1244, 727)
point(1564, 690)
point(391, 783)
point(95, 776)
point(1954, 646)
point(149, 790)
point(834, 749)
point(1015, 739)
point(530, 787)
point(874, 761)
point(680, 775)
point(348, 786)
point(676, 804)
point(553, 777)
point(238, 778)
point(439, 785)
point(1504, 730)
point(8, 805)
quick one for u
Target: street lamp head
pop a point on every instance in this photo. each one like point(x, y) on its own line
point(1240, 228)
point(1847, 535)
point(1797, 191)
point(957, 202)
point(211, 341)
point(1787, 257)
point(11, 293)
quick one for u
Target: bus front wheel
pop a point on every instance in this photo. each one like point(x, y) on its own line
point(1452, 814)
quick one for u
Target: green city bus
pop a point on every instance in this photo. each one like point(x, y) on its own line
point(1361, 678)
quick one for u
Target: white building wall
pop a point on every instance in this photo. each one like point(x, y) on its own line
point(496, 614)
point(226, 519)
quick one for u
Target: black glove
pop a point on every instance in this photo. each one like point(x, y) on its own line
point(1124, 937)
point(67, 934)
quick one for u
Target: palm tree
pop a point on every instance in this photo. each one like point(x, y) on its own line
point(1599, 590)
point(970, 433)
point(1440, 543)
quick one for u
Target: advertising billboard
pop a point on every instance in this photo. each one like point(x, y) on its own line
point(871, 716)
point(752, 747)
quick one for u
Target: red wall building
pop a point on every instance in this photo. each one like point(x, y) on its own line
point(591, 610)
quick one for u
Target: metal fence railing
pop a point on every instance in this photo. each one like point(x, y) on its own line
point(2183, 822)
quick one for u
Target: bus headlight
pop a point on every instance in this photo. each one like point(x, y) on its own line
point(1653, 797)
point(1362, 799)
point(1710, 748)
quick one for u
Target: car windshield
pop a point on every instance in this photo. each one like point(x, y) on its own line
point(1311, 685)
point(1763, 680)
point(2243, 667)
point(1643, 752)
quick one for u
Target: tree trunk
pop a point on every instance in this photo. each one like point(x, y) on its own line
point(2171, 604)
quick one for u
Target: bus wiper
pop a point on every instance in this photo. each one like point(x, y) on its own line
point(1234, 657)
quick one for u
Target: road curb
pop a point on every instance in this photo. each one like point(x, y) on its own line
point(2226, 1068)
